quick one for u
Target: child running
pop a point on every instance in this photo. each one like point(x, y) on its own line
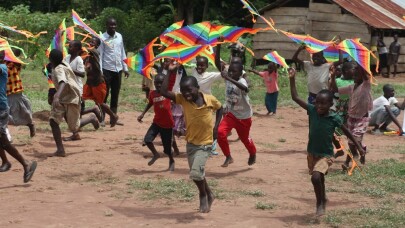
point(5, 145)
point(360, 103)
point(270, 77)
point(239, 114)
point(162, 123)
point(198, 108)
point(322, 124)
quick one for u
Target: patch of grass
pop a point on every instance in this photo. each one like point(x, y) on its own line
point(282, 140)
point(163, 188)
point(265, 206)
point(397, 149)
point(268, 145)
point(254, 193)
point(102, 178)
point(383, 181)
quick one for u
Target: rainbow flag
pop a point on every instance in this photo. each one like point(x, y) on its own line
point(275, 58)
point(59, 40)
point(50, 82)
point(70, 33)
point(8, 52)
point(27, 34)
point(254, 12)
point(331, 54)
point(312, 45)
point(357, 51)
point(230, 33)
point(180, 52)
point(165, 40)
point(79, 22)
point(140, 62)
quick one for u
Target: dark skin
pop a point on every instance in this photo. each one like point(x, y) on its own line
point(191, 94)
point(111, 29)
point(317, 58)
point(322, 105)
point(395, 65)
point(74, 51)
point(202, 65)
point(158, 84)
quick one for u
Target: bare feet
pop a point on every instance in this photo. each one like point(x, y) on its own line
point(252, 159)
point(29, 171)
point(210, 199)
point(95, 123)
point(363, 159)
point(114, 120)
point(228, 160)
point(5, 167)
point(320, 209)
point(31, 126)
point(58, 154)
point(171, 166)
point(73, 137)
point(154, 158)
point(204, 208)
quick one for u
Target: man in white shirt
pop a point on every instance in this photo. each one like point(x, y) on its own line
point(112, 54)
point(385, 110)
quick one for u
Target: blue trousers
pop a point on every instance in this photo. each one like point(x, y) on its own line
point(271, 101)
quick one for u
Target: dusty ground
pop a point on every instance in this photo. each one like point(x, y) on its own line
point(89, 187)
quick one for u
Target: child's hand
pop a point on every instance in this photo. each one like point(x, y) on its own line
point(224, 75)
point(332, 71)
point(173, 65)
point(291, 72)
point(361, 151)
point(221, 39)
point(140, 118)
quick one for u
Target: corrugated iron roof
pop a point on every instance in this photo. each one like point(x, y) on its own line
point(382, 14)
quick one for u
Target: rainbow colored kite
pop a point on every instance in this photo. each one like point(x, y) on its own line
point(208, 52)
point(22, 32)
point(141, 61)
point(79, 22)
point(8, 52)
point(331, 54)
point(358, 52)
point(312, 45)
point(204, 33)
point(254, 11)
point(165, 40)
point(180, 52)
point(275, 58)
point(70, 33)
point(59, 40)
point(50, 82)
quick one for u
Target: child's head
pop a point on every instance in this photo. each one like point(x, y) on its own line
point(318, 59)
point(236, 59)
point(235, 71)
point(189, 88)
point(271, 67)
point(359, 74)
point(94, 42)
point(388, 90)
point(166, 63)
point(395, 37)
point(202, 64)
point(55, 57)
point(338, 71)
point(158, 81)
point(348, 70)
point(323, 102)
point(75, 46)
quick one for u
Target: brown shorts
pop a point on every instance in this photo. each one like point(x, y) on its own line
point(68, 112)
point(319, 164)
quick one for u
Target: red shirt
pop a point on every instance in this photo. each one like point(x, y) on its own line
point(162, 108)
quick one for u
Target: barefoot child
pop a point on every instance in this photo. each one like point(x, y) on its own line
point(360, 103)
point(198, 108)
point(322, 124)
point(239, 114)
point(270, 80)
point(162, 123)
point(5, 145)
point(66, 101)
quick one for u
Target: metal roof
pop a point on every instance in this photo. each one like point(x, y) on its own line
point(382, 14)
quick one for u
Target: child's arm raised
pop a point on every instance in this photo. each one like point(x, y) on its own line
point(293, 89)
point(238, 84)
point(218, 63)
point(351, 137)
point(165, 91)
point(340, 61)
point(140, 117)
point(332, 85)
point(254, 71)
point(295, 56)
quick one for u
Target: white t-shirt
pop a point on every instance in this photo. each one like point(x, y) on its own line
point(77, 65)
point(237, 100)
point(318, 76)
point(382, 101)
point(206, 79)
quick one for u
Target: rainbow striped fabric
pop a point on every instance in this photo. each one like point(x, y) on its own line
point(141, 61)
point(312, 45)
point(59, 40)
point(8, 53)
point(275, 58)
point(79, 22)
point(165, 40)
point(254, 12)
point(331, 54)
point(27, 34)
point(357, 51)
point(180, 52)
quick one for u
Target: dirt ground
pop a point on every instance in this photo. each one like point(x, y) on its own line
point(88, 188)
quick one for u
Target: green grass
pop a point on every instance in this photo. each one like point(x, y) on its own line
point(384, 182)
point(397, 149)
point(265, 206)
point(254, 193)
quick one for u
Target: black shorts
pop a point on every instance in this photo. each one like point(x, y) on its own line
point(166, 135)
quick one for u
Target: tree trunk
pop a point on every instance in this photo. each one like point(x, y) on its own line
point(180, 10)
point(185, 11)
point(205, 11)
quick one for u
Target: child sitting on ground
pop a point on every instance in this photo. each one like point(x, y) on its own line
point(385, 110)
point(322, 124)
point(162, 123)
point(360, 103)
point(270, 80)
point(198, 108)
point(239, 114)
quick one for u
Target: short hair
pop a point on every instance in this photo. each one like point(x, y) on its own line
point(98, 41)
point(327, 93)
point(387, 87)
point(348, 65)
point(159, 75)
point(189, 79)
point(56, 56)
point(77, 43)
point(110, 19)
point(203, 58)
point(239, 65)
